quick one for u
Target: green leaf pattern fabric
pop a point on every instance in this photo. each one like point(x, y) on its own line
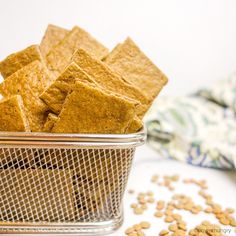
point(199, 129)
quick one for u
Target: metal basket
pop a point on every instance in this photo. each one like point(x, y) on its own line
point(64, 183)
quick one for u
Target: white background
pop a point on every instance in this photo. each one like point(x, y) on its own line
point(193, 42)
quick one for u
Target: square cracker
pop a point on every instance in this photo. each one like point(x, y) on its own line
point(53, 35)
point(12, 115)
point(36, 194)
point(60, 56)
point(129, 61)
point(110, 80)
point(16, 61)
point(29, 82)
point(55, 95)
point(91, 110)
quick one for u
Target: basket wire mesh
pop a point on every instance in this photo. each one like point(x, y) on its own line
point(75, 185)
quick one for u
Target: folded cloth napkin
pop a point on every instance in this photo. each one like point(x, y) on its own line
point(199, 129)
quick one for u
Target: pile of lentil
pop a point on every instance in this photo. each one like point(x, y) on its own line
point(170, 211)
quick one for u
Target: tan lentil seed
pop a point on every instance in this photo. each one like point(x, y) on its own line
point(134, 205)
point(169, 219)
point(177, 216)
point(151, 200)
point(175, 177)
point(192, 232)
point(145, 225)
point(168, 213)
point(158, 207)
point(133, 234)
point(179, 233)
point(208, 210)
point(158, 214)
point(140, 233)
point(233, 222)
point(138, 211)
point(205, 222)
point(137, 227)
point(163, 233)
point(224, 221)
point(182, 226)
point(173, 228)
point(229, 210)
point(142, 201)
point(129, 230)
point(154, 178)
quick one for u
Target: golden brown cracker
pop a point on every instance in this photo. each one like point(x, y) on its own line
point(40, 195)
point(129, 61)
point(135, 125)
point(91, 110)
point(12, 115)
point(61, 54)
point(19, 59)
point(51, 120)
point(29, 82)
point(53, 35)
point(107, 78)
point(55, 95)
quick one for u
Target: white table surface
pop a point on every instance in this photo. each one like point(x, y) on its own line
point(222, 185)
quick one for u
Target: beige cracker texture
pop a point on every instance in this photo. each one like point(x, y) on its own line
point(50, 122)
point(108, 79)
point(60, 56)
point(12, 115)
point(29, 82)
point(55, 95)
point(16, 61)
point(129, 61)
point(135, 125)
point(53, 35)
point(42, 195)
point(90, 110)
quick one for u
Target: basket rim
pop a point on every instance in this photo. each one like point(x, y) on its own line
point(57, 140)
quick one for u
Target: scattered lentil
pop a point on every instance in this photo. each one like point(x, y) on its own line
point(180, 202)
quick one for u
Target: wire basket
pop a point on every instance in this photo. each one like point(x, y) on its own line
point(64, 183)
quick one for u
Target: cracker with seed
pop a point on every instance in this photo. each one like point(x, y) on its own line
point(108, 79)
point(50, 122)
point(55, 95)
point(91, 110)
point(12, 115)
point(29, 82)
point(16, 61)
point(42, 195)
point(129, 61)
point(53, 35)
point(60, 56)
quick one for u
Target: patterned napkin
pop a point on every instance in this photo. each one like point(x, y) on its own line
point(198, 129)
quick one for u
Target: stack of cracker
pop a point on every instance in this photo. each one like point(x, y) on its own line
point(71, 83)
